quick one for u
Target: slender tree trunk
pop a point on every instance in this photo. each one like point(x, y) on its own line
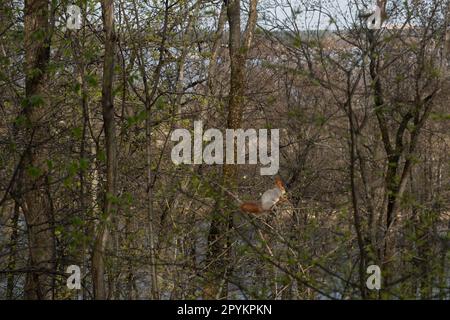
point(216, 46)
point(79, 49)
point(101, 241)
point(150, 213)
point(354, 196)
point(12, 252)
point(219, 246)
point(35, 197)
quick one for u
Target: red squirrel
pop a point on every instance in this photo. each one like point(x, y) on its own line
point(267, 201)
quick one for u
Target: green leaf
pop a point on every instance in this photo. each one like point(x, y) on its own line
point(77, 133)
point(34, 172)
point(92, 80)
point(36, 100)
point(84, 164)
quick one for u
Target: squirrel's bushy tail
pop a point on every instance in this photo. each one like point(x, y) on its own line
point(251, 207)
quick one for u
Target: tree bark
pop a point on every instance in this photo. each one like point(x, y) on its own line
point(219, 246)
point(12, 252)
point(35, 196)
point(101, 241)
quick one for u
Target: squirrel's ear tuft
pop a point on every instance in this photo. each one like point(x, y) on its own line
point(279, 183)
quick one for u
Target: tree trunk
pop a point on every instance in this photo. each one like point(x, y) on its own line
point(35, 197)
point(218, 255)
point(12, 252)
point(98, 256)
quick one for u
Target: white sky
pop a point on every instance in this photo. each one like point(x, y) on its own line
point(308, 15)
